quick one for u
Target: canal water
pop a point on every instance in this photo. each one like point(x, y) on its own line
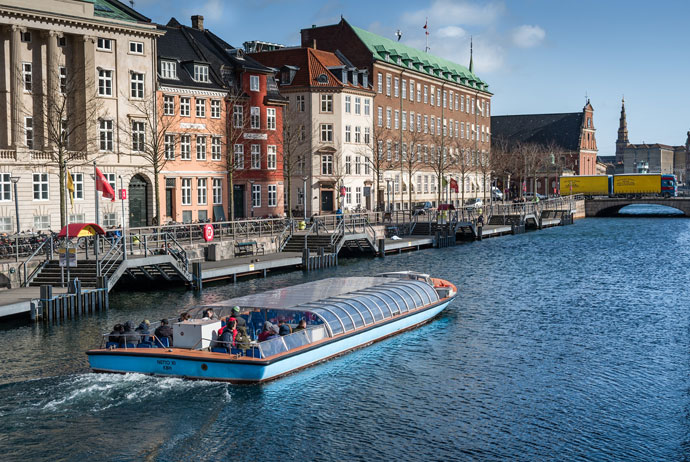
point(572, 343)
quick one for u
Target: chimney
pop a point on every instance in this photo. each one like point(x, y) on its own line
point(313, 43)
point(198, 22)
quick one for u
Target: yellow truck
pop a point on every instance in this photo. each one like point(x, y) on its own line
point(641, 183)
point(585, 185)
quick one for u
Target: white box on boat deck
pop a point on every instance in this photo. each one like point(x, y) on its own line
point(195, 333)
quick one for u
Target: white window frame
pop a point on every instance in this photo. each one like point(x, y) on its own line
point(202, 191)
point(216, 148)
point(348, 133)
point(367, 106)
point(62, 70)
point(104, 44)
point(326, 133)
point(186, 190)
point(185, 147)
point(105, 82)
point(41, 186)
point(327, 164)
point(272, 195)
point(358, 105)
point(5, 187)
point(185, 106)
point(136, 85)
point(271, 156)
point(238, 155)
point(169, 150)
point(255, 156)
point(201, 73)
point(348, 104)
point(200, 107)
point(201, 147)
point(358, 134)
point(138, 136)
point(217, 187)
point(105, 135)
point(136, 48)
point(255, 118)
point(270, 118)
point(27, 77)
point(29, 132)
point(300, 103)
point(256, 195)
point(254, 83)
point(238, 116)
point(78, 182)
point(168, 70)
point(326, 104)
point(215, 109)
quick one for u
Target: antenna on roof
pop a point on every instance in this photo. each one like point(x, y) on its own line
point(398, 34)
point(131, 2)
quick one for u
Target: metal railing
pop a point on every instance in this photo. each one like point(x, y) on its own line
point(41, 248)
point(111, 258)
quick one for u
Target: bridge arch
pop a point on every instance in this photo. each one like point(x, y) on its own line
point(610, 207)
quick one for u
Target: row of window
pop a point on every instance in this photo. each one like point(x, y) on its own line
point(272, 195)
point(425, 153)
point(327, 104)
point(106, 44)
point(432, 95)
point(431, 124)
point(327, 165)
point(238, 119)
point(27, 78)
point(41, 185)
point(201, 144)
point(186, 104)
point(106, 78)
point(201, 191)
point(255, 156)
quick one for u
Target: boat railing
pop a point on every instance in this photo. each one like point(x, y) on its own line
point(277, 345)
point(146, 340)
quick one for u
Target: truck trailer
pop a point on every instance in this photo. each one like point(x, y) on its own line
point(585, 185)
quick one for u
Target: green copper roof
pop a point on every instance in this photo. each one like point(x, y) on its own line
point(390, 51)
point(106, 9)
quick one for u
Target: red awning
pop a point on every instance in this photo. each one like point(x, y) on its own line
point(81, 229)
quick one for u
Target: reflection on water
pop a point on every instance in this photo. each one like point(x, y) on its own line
point(567, 344)
point(647, 209)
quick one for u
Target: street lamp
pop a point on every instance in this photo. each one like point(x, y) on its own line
point(124, 234)
point(304, 196)
point(15, 180)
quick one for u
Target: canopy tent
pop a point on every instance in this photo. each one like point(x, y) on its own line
point(81, 230)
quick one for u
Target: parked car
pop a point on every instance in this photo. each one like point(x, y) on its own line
point(421, 208)
point(530, 196)
point(473, 203)
point(496, 194)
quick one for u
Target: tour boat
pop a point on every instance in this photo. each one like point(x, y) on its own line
point(342, 314)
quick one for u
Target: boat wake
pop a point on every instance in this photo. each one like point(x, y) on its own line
point(96, 393)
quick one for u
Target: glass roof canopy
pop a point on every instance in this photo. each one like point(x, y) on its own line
point(343, 304)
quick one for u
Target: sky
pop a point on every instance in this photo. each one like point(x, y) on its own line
point(538, 56)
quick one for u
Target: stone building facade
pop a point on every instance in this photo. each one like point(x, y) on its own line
point(72, 75)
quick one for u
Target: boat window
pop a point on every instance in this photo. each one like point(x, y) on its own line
point(356, 316)
point(366, 313)
point(430, 291)
point(392, 302)
point(408, 303)
point(410, 289)
point(331, 319)
point(412, 298)
point(296, 339)
point(272, 347)
point(385, 304)
point(317, 333)
point(344, 316)
point(372, 305)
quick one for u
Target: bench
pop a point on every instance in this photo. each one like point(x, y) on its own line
point(248, 248)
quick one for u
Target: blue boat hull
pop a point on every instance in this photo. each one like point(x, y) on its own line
point(216, 366)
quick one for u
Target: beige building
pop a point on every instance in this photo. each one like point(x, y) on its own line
point(74, 78)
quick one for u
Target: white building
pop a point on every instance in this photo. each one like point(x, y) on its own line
point(78, 70)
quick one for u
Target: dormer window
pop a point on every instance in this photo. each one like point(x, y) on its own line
point(168, 70)
point(201, 73)
point(399, 61)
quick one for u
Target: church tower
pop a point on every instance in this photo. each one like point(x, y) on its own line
point(622, 141)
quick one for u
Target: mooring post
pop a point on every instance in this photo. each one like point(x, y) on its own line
point(196, 276)
point(102, 283)
point(46, 293)
point(382, 247)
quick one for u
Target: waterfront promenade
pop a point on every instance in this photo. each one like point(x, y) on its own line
point(179, 255)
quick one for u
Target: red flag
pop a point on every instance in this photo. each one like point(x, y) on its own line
point(453, 185)
point(426, 28)
point(103, 186)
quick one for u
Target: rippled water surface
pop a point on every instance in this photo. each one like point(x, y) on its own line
point(567, 344)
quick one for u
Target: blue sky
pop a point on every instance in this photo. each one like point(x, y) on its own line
point(538, 56)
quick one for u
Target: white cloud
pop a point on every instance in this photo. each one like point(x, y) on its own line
point(448, 12)
point(528, 36)
point(488, 56)
point(451, 32)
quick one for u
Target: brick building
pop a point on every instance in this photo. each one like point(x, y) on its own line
point(569, 138)
point(435, 109)
point(331, 119)
point(224, 116)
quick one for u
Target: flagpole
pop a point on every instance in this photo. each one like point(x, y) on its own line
point(67, 255)
point(98, 221)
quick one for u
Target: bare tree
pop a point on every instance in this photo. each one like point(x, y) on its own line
point(239, 118)
point(296, 146)
point(71, 110)
point(376, 158)
point(441, 160)
point(463, 163)
point(147, 132)
point(411, 161)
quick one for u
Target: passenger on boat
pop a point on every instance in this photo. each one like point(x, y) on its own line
point(209, 314)
point(115, 335)
point(227, 338)
point(184, 317)
point(144, 327)
point(129, 336)
point(301, 325)
point(269, 331)
point(224, 325)
point(284, 328)
point(236, 314)
point(164, 331)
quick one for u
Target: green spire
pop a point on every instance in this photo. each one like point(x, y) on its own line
point(471, 64)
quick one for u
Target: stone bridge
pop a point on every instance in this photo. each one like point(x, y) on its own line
point(608, 207)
